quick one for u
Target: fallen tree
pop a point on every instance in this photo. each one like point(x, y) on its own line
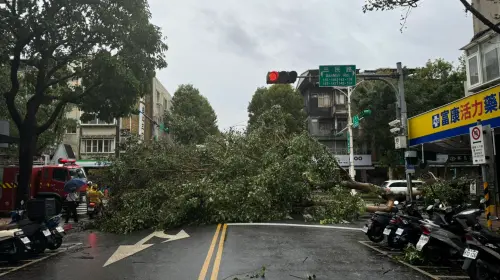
point(235, 177)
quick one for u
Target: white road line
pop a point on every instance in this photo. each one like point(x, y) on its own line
point(39, 260)
point(292, 225)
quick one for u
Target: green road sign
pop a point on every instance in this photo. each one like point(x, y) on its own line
point(355, 121)
point(337, 75)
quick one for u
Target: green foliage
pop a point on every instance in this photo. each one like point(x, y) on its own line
point(413, 256)
point(234, 177)
point(339, 206)
point(285, 96)
point(436, 84)
point(191, 119)
point(454, 192)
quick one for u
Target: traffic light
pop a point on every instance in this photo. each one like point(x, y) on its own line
point(365, 113)
point(281, 77)
point(164, 128)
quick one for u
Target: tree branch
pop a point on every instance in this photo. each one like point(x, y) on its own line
point(480, 16)
point(60, 107)
point(10, 96)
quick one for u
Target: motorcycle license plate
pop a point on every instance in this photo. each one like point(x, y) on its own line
point(46, 232)
point(90, 209)
point(365, 229)
point(25, 240)
point(60, 229)
point(399, 231)
point(424, 239)
point(84, 199)
point(470, 253)
point(387, 231)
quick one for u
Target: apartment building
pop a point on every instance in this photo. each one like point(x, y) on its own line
point(97, 138)
point(327, 114)
point(483, 51)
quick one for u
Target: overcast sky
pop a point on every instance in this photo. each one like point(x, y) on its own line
point(225, 47)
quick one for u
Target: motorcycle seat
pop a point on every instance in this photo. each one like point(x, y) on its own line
point(415, 219)
point(7, 233)
point(384, 214)
point(491, 236)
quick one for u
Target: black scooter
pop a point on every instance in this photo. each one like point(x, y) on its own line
point(14, 245)
point(375, 226)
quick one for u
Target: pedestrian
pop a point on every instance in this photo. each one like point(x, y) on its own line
point(72, 200)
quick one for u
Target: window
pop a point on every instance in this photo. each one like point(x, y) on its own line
point(324, 100)
point(71, 128)
point(340, 98)
point(98, 145)
point(491, 66)
point(77, 173)
point(60, 174)
point(325, 127)
point(473, 70)
point(341, 123)
point(98, 121)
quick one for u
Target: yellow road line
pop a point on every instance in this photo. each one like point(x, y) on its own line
point(215, 271)
point(206, 264)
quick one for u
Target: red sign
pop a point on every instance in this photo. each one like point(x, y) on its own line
point(476, 133)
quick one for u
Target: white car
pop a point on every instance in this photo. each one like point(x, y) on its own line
point(399, 186)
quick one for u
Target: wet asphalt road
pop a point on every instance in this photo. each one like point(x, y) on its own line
point(285, 252)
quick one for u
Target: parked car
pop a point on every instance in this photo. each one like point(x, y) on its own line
point(399, 187)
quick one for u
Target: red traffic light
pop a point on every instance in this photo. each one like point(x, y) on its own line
point(273, 76)
point(282, 77)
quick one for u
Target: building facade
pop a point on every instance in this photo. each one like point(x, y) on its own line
point(327, 114)
point(96, 139)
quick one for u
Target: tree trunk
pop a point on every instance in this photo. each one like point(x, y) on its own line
point(27, 148)
point(390, 173)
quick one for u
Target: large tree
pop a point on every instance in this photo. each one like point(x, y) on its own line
point(437, 83)
point(192, 118)
point(49, 138)
point(382, 5)
point(289, 99)
point(99, 55)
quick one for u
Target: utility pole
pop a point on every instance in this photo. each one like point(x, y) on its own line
point(404, 126)
point(117, 138)
point(352, 171)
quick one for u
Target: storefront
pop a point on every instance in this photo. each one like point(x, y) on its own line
point(445, 132)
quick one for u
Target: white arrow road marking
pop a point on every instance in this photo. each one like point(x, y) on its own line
point(124, 251)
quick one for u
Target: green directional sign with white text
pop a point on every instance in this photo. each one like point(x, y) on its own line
point(355, 121)
point(337, 75)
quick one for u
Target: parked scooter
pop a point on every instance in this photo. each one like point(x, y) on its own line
point(36, 231)
point(404, 229)
point(443, 237)
point(56, 238)
point(374, 228)
point(482, 254)
point(13, 243)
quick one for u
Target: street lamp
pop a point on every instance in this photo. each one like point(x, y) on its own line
point(350, 90)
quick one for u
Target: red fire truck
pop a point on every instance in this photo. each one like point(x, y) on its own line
point(47, 181)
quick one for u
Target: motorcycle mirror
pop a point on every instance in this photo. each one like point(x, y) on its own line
point(437, 200)
point(22, 202)
point(482, 201)
point(429, 207)
point(396, 202)
point(418, 197)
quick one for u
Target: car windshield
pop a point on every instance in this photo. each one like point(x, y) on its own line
point(385, 184)
point(77, 173)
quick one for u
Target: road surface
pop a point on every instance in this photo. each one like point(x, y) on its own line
point(284, 251)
